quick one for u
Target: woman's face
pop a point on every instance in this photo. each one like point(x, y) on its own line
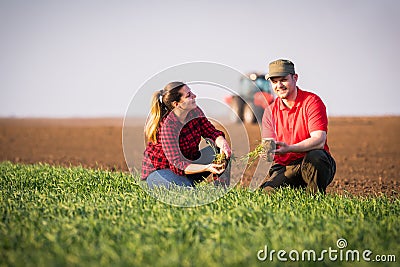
point(188, 99)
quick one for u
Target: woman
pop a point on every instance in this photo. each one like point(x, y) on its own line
point(173, 133)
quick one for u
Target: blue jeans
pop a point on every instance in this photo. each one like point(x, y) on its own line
point(166, 177)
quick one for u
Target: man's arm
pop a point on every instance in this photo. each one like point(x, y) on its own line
point(316, 140)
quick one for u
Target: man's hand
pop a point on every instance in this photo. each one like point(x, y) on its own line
point(282, 148)
point(316, 140)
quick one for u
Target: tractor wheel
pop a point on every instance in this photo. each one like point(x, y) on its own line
point(248, 115)
point(236, 113)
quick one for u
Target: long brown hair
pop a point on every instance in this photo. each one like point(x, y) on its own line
point(161, 104)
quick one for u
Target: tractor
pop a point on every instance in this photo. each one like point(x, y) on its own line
point(254, 95)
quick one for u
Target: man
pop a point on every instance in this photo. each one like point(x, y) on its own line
point(299, 124)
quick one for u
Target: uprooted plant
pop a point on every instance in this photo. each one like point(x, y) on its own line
point(265, 150)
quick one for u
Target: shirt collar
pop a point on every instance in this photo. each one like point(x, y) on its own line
point(297, 101)
point(172, 118)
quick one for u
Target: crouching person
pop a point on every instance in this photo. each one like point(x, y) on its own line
point(173, 131)
point(299, 124)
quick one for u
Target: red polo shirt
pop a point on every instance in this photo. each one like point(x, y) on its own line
point(293, 125)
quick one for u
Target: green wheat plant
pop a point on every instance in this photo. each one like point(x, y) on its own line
point(56, 216)
point(264, 148)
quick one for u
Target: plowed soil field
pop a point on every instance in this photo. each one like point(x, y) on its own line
point(366, 149)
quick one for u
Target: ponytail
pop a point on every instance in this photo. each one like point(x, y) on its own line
point(157, 112)
point(161, 104)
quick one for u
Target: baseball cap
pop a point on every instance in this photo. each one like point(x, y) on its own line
point(280, 68)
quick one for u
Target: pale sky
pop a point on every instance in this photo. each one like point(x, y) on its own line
point(88, 58)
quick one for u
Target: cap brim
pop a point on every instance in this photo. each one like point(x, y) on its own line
point(277, 74)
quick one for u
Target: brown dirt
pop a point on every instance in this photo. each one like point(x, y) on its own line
point(366, 150)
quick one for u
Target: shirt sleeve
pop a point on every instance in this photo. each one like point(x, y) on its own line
point(208, 130)
point(169, 136)
point(268, 124)
point(317, 117)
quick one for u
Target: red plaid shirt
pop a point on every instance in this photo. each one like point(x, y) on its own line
point(177, 144)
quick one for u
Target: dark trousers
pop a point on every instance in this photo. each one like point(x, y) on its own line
point(315, 172)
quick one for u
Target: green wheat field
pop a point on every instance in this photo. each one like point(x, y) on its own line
point(55, 216)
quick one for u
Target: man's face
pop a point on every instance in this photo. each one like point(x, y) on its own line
point(284, 87)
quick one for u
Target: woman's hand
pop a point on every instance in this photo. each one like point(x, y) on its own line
point(223, 146)
point(216, 168)
point(212, 167)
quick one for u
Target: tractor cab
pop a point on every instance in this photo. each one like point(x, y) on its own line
point(254, 95)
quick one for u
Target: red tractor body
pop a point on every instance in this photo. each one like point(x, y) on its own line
point(254, 95)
